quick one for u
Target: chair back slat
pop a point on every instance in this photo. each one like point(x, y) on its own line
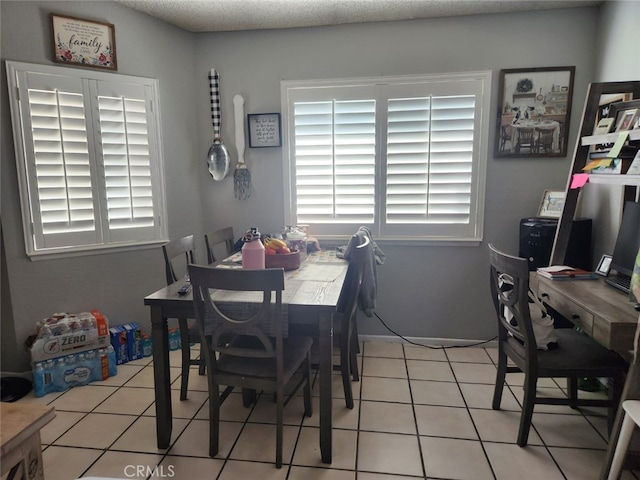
point(545, 135)
point(348, 300)
point(224, 235)
point(174, 249)
point(525, 135)
point(509, 281)
point(237, 333)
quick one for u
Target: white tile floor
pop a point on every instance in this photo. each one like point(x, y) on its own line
point(419, 413)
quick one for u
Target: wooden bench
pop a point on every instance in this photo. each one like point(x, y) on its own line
point(20, 446)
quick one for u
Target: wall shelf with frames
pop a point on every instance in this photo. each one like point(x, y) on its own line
point(595, 93)
point(586, 138)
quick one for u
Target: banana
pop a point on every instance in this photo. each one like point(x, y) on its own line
point(276, 243)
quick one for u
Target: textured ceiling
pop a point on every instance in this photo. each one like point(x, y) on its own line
point(225, 15)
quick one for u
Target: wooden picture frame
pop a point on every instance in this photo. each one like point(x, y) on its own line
point(264, 130)
point(81, 42)
point(552, 204)
point(625, 115)
point(606, 111)
point(534, 109)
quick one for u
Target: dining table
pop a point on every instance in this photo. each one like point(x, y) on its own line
point(539, 125)
point(311, 297)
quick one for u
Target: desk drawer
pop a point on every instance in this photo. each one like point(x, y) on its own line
point(565, 307)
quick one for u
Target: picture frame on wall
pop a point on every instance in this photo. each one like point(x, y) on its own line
point(552, 204)
point(264, 130)
point(81, 42)
point(534, 109)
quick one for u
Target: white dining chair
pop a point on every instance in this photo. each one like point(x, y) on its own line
point(631, 419)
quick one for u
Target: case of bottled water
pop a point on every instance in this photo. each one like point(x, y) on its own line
point(66, 333)
point(62, 373)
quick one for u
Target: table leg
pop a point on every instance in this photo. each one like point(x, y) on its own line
point(159, 334)
point(325, 341)
point(248, 397)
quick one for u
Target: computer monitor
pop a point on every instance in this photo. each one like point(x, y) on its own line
point(628, 241)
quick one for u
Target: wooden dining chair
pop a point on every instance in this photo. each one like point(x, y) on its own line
point(345, 321)
point(345, 324)
point(223, 235)
point(181, 252)
point(525, 139)
point(577, 355)
point(505, 136)
point(631, 420)
point(247, 349)
point(544, 140)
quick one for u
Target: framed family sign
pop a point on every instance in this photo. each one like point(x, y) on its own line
point(264, 130)
point(81, 42)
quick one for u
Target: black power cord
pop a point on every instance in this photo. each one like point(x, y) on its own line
point(429, 346)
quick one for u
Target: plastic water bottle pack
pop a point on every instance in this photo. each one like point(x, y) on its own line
point(62, 373)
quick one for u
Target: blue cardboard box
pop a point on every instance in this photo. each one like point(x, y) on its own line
point(134, 341)
point(120, 344)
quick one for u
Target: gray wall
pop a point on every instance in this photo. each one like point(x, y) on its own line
point(425, 291)
point(113, 283)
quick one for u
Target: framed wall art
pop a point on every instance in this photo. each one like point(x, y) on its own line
point(85, 43)
point(534, 108)
point(264, 130)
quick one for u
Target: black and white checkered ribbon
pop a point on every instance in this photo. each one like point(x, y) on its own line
point(214, 90)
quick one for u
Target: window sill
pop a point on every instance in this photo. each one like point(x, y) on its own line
point(85, 251)
point(332, 241)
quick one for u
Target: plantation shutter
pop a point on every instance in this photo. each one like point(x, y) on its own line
point(124, 117)
point(88, 158)
point(405, 156)
point(335, 161)
point(430, 173)
point(58, 165)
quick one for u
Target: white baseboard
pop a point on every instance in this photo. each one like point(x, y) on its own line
point(431, 342)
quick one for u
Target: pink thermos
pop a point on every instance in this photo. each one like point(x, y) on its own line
point(252, 250)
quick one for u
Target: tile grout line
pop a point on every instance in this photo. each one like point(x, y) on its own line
point(163, 456)
point(535, 429)
point(415, 417)
point(86, 414)
point(475, 427)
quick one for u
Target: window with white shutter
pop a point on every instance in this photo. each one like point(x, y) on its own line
point(88, 157)
point(405, 156)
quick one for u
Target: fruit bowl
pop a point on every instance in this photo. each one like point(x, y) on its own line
point(288, 261)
